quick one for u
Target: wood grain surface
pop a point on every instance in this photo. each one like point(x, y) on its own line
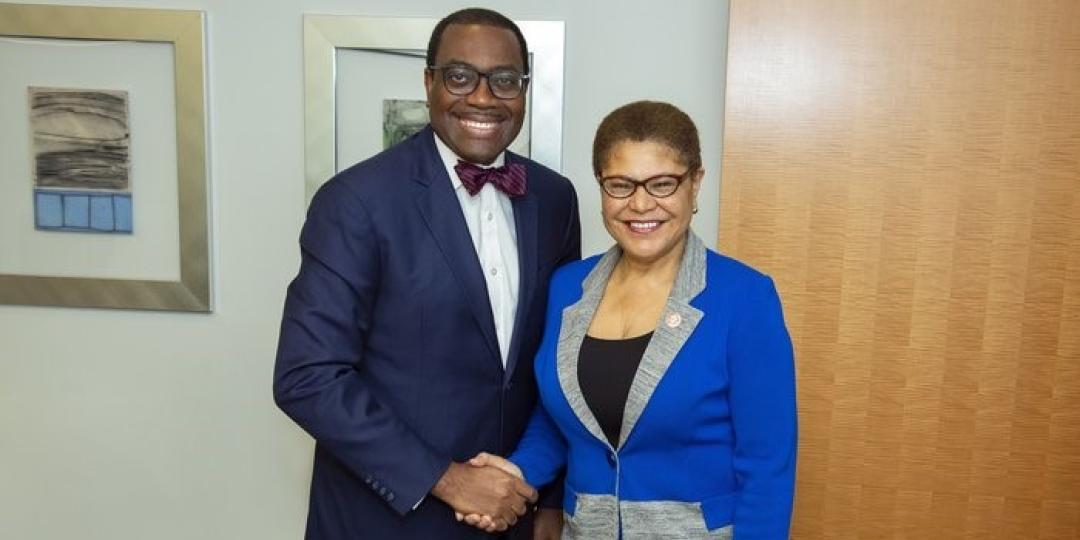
point(909, 173)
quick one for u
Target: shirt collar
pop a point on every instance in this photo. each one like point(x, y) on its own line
point(450, 160)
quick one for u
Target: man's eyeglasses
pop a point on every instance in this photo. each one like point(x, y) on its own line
point(462, 80)
point(659, 186)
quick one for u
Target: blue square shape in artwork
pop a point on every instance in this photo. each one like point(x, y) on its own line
point(101, 213)
point(48, 210)
point(122, 212)
point(77, 211)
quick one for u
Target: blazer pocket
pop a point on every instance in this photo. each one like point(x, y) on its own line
point(589, 517)
point(672, 520)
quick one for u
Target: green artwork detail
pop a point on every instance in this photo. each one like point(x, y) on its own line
point(401, 119)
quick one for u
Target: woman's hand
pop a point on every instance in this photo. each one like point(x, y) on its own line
point(484, 459)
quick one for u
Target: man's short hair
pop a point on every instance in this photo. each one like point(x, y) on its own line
point(481, 16)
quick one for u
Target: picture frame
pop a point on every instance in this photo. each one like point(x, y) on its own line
point(184, 30)
point(326, 35)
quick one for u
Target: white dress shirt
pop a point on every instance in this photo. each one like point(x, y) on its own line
point(490, 217)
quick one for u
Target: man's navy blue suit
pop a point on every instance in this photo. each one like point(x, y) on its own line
point(388, 355)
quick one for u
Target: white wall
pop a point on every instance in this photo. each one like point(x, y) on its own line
point(125, 425)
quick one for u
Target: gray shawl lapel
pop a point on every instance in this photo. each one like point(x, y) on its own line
point(677, 322)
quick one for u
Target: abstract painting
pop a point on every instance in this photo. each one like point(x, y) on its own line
point(81, 138)
point(82, 163)
point(402, 118)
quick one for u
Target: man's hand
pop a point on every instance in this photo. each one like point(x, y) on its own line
point(483, 459)
point(485, 491)
point(548, 522)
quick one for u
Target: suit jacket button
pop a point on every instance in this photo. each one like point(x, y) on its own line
point(611, 458)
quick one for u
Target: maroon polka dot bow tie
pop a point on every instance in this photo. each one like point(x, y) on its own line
point(509, 178)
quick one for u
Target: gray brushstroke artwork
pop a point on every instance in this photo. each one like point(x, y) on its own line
point(81, 138)
point(402, 118)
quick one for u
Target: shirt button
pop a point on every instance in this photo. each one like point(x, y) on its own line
point(490, 216)
point(494, 271)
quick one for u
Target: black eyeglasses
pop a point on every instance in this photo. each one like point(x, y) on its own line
point(659, 186)
point(462, 80)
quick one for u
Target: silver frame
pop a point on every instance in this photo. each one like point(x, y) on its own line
point(185, 30)
point(325, 34)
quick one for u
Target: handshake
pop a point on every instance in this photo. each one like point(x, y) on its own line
point(487, 492)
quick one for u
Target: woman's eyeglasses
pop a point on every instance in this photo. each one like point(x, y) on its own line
point(659, 186)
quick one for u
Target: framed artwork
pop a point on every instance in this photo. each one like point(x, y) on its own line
point(363, 90)
point(81, 160)
point(103, 189)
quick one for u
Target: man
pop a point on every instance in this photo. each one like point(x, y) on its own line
point(408, 335)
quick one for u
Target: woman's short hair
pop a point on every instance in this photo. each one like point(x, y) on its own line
point(653, 121)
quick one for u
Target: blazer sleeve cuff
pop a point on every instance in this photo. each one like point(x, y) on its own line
point(410, 498)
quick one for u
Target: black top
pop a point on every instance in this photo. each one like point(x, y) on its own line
point(606, 368)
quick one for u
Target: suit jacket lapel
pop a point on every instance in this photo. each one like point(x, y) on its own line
point(677, 323)
point(441, 211)
point(526, 223)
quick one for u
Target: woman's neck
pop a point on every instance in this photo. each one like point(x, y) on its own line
point(659, 272)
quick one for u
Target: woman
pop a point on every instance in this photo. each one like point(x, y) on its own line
point(666, 375)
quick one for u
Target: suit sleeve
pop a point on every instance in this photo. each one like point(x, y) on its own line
point(317, 380)
point(763, 412)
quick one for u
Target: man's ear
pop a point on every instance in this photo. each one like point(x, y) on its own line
point(429, 81)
